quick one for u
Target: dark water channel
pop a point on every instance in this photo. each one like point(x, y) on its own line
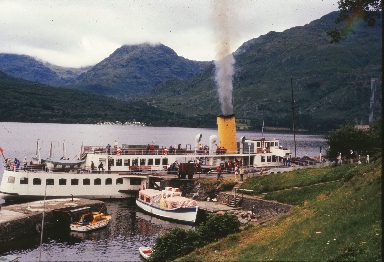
point(119, 241)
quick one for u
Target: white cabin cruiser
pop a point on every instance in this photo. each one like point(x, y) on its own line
point(168, 204)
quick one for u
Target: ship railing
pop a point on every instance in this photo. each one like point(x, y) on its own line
point(162, 151)
point(32, 168)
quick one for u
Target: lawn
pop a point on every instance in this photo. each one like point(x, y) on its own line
point(340, 223)
point(297, 178)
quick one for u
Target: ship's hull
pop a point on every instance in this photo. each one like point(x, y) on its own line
point(31, 185)
point(184, 215)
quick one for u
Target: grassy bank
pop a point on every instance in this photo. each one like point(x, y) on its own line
point(333, 221)
point(298, 178)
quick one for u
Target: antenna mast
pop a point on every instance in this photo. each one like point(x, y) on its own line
point(293, 117)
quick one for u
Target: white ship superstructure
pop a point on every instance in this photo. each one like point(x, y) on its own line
point(121, 171)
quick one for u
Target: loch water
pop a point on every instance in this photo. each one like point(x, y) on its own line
point(129, 228)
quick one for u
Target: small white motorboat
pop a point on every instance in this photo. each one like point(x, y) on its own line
point(145, 252)
point(168, 204)
point(91, 221)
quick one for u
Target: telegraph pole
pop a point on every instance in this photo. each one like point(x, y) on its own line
point(293, 117)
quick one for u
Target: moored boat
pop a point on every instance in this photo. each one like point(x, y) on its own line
point(168, 204)
point(145, 252)
point(91, 221)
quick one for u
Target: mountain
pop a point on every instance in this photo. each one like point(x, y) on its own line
point(29, 68)
point(128, 71)
point(331, 82)
point(25, 101)
point(133, 69)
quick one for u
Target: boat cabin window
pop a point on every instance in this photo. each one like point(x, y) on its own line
point(11, 179)
point(50, 181)
point(268, 158)
point(24, 180)
point(262, 158)
point(258, 144)
point(97, 181)
point(108, 181)
point(150, 162)
point(86, 219)
point(142, 162)
point(119, 181)
point(98, 218)
point(74, 181)
point(62, 181)
point(165, 161)
point(127, 162)
point(86, 181)
point(157, 161)
point(36, 181)
point(135, 181)
point(119, 162)
point(274, 158)
point(111, 162)
point(135, 162)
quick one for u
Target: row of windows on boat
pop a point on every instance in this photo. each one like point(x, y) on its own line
point(272, 158)
point(157, 161)
point(136, 162)
point(75, 181)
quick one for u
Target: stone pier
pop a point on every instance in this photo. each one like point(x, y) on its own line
point(22, 220)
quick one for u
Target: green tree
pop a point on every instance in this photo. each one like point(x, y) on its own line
point(175, 243)
point(218, 226)
point(369, 10)
point(361, 142)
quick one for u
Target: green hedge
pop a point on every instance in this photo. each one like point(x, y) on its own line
point(179, 242)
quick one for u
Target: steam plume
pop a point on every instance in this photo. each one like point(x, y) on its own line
point(224, 59)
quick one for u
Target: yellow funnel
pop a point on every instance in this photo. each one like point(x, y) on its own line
point(226, 126)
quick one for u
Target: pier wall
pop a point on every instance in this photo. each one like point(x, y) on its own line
point(260, 207)
point(24, 220)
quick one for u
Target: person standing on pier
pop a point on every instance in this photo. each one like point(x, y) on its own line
point(237, 172)
point(218, 170)
point(242, 173)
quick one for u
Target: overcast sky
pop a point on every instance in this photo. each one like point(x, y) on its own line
point(83, 32)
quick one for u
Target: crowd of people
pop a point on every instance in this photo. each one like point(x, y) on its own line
point(235, 167)
point(15, 164)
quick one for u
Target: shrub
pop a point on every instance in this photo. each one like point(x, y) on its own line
point(218, 226)
point(176, 243)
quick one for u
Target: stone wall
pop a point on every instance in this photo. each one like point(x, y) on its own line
point(30, 225)
point(260, 207)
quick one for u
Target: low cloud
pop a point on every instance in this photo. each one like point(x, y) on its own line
point(79, 33)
